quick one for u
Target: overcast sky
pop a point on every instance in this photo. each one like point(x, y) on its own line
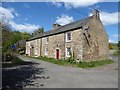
point(28, 16)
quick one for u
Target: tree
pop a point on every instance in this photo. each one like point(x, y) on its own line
point(6, 37)
point(40, 30)
point(25, 35)
point(110, 46)
point(119, 45)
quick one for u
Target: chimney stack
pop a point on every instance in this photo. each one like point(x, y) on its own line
point(56, 26)
point(96, 14)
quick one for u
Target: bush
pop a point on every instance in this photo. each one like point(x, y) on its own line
point(117, 53)
point(71, 59)
point(7, 56)
point(17, 61)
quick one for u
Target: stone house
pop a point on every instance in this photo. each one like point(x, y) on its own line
point(86, 38)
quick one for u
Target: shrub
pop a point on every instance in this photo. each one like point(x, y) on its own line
point(117, 53)
point(71, 59)
point(17, 61)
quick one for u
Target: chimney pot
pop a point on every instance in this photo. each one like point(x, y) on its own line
point(96, 14)
point(56, 26)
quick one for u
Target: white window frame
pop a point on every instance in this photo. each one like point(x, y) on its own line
point(36, 51)
point(68, 53)
point(67, 36)
point(36, 41)
point(47, 40)
point(46, 51)
point(28, 44)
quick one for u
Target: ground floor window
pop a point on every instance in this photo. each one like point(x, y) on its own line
point(46, 51)
point(68, 51)
point(36, 51)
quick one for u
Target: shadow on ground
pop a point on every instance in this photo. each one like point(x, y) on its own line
point(20, 76)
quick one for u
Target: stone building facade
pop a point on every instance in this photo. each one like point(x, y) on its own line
point(86, 38)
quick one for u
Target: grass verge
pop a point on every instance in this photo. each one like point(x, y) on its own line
point(80, 65)
point(14, 62)
point(117, 53)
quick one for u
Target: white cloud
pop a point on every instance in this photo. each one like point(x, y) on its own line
point(75, 4)
point(17, 15)
point(6, 13)
point(9, 14)
point(24, 27)
point(108, 18)
point(64, 19)
point(116, 35)
point(112, 41)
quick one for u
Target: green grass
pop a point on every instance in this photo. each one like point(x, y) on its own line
point(117, 53)
point(94, 63)
point(14, 62)
point(80, 65)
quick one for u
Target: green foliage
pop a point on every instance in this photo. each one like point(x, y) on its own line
point(71, 59)
point(17, 61)
point(25, 35)
point(117, 53)
point(119, 45)
point(40, 30)
point(81, 64)
point(10, 37)
point(14, 62)
point(113, 46)
point(110, 46)
point(94, 63)
point(6, 38)
point(53, 60)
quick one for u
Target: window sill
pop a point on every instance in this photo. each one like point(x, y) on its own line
point(69, 41)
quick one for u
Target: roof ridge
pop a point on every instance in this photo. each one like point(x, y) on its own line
point(63, 28)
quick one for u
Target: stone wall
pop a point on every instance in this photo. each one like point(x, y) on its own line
point(97, 45)
point(88, 43)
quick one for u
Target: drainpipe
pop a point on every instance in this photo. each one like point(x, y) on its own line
point(64, 46)
point(41, 47)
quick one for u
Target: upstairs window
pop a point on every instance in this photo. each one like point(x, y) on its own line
point(68, 36)
point(46, 51)
point(47, 39)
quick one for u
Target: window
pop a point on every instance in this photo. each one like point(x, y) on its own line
point(68, 52)
point(36, 41)
point(68, 36)
point(46, 51)
point(36, 51)
point(47, 39)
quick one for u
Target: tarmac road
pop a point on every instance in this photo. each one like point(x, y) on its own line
point(69, 77)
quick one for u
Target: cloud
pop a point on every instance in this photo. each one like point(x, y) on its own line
point(9, 14)
point(24, 27)
point(112, 41)
point(64, 19)
point(6, 13)
point(17, 15)
point(75, 4)
point(108, 18)
point(116, 35)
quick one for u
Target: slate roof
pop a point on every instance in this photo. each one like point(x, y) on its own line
point(64, 28)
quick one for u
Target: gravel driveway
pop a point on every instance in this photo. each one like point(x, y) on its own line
point(48, 75)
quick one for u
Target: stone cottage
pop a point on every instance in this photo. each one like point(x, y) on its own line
point(86, 38)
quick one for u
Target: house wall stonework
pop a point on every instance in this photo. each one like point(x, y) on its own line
point(89, 42)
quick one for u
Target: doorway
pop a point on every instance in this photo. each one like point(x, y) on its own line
point(57, 53)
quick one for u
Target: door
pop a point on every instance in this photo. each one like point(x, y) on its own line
point(57, 53)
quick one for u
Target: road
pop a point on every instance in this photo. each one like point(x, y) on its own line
point(69, 77)
point(40, 74)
